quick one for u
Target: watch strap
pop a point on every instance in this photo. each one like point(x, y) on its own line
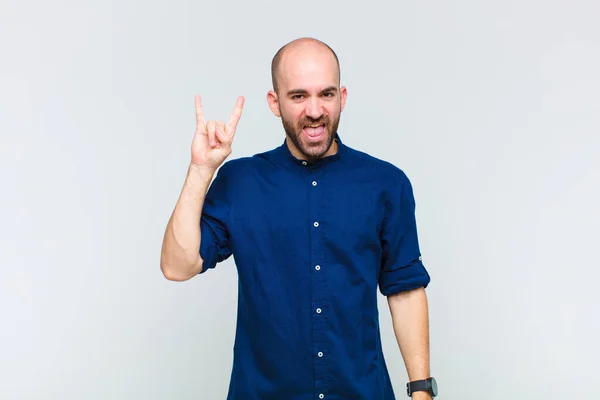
point(417, 386)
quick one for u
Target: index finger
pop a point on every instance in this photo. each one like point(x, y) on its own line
point(199, 113)
point(236, 115)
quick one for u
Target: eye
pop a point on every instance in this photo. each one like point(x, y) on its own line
point(328, 94)
point(297, 97)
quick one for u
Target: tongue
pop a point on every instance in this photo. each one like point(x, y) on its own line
point(314, 132)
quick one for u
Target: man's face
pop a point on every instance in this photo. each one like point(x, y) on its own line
point(309, 101)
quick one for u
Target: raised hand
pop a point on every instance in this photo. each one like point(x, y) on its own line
point(212, 141)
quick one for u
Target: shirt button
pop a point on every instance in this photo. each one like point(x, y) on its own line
point(321, 396)
point(318, 311)
point(316, 224)
point(314, 183)
point(318, 267)
point(303, 162)
point(320, 354)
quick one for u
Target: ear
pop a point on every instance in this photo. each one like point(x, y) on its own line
point(343, 94)
point(273, 102)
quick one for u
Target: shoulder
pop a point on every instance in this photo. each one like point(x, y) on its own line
point(245, 166)
point(382, 171)
point(253, 160)
point(390, 181)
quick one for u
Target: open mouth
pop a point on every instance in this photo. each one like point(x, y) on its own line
point(314, 131)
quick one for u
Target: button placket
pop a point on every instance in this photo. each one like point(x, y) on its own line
point(318, 310)
point(319, 289)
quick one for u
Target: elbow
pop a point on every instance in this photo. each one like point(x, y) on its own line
point(173, 275)
point(180, 273)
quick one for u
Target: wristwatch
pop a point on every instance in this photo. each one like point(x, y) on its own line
point(424, 385)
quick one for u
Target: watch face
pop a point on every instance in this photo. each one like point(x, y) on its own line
point(434, 388)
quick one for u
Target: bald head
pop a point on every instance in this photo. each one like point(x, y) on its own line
point(303, 47)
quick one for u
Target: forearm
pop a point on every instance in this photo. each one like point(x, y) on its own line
point(410, 319)
point(180, 255)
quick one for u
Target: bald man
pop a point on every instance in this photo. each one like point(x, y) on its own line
point(316, 228)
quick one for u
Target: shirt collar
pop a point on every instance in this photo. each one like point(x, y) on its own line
point(285, 154)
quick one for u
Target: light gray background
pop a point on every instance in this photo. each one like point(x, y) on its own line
point(491, 108)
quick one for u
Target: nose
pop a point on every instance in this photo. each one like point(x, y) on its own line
point(314, 109)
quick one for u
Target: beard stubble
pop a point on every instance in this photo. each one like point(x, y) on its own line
point(311, 151)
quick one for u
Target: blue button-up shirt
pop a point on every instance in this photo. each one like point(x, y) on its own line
point(313, 242)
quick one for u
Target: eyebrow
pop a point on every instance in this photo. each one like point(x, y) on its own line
point(302, 91)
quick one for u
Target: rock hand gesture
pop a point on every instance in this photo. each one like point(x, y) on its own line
point(212, 141)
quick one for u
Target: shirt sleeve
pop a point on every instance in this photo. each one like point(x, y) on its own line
point(402, 267)
point(215, 243)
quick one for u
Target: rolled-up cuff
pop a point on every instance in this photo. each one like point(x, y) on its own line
point(413, 276)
